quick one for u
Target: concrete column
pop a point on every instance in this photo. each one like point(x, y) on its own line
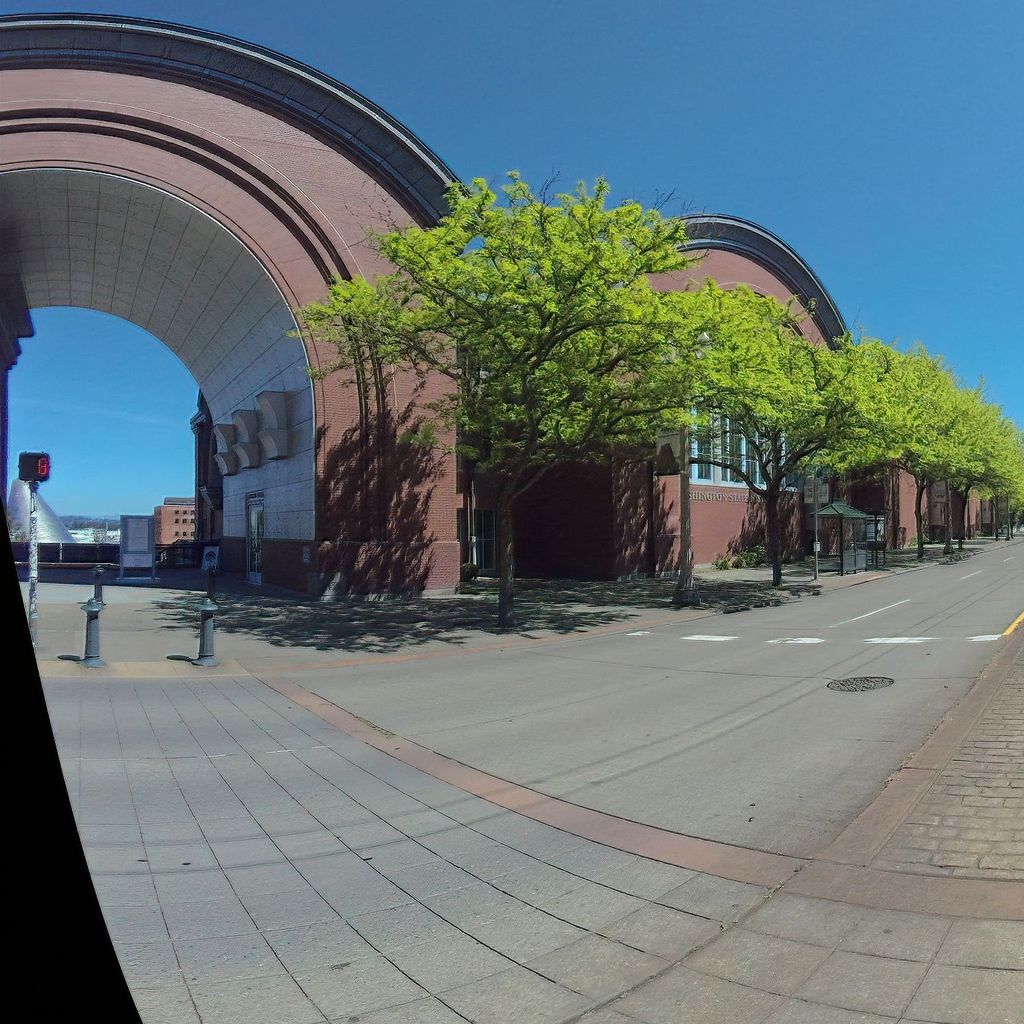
point(15, 323)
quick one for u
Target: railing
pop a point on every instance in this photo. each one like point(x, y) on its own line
point(77, 553)
point(181, 555)
point(186, 554)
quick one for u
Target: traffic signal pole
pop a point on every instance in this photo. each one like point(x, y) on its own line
point(33, 563)
point(32, 468)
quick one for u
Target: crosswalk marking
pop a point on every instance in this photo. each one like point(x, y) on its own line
point(900, 639)
point(796, 640)
point(703, 636)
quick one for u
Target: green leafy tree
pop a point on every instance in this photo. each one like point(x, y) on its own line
point(981, 449)
point(540, 316)
point(1003, 483)
point(916, 411)
point(771, 402)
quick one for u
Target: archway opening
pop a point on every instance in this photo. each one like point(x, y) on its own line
point(97, 241)
point(112, 407)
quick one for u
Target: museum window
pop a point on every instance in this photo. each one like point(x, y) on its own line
point(722, 441)
point(700, 451)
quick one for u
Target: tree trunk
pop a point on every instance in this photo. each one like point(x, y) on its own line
point(919, 519)
point(506, 559)
point(894, 508)
point(964, 498)
point(773, 531)
point(947, 521)
point(684, 593)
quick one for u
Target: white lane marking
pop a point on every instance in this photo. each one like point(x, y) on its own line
point(1010, 559)
point(703, 636)
point(640, 632)
point(868, 615)
point(900, 639)
point(970, 574)
point(796, 640)
point(985, 637)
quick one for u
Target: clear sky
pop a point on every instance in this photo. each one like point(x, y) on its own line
point(882, 139)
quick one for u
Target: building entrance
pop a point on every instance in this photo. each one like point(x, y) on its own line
point(254, 539)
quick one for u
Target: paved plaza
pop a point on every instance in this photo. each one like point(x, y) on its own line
point(374, 838)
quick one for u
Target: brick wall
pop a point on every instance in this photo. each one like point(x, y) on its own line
point(564, 525)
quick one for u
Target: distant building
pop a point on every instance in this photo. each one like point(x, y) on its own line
point(96, 535)
point(175, 520)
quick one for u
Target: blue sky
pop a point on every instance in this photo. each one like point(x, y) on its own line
point(882, 140)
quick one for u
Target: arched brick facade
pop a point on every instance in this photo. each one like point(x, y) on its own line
point(295, 171)
point(298, 170)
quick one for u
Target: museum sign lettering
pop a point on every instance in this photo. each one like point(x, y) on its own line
point(741, 497)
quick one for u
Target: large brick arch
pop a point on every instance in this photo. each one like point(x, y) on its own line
point(282, 173)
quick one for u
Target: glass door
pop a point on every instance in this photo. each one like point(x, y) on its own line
point(254, 539)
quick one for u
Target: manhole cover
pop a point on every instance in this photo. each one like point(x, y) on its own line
point(857, 683)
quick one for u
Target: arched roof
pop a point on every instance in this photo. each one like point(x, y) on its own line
point(733, 234)
point(256, 75)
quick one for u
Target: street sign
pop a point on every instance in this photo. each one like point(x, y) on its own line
point(138, 547)
point(815, 492)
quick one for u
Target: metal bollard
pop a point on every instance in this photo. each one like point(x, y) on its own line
point(92, 609)
point(207, 610)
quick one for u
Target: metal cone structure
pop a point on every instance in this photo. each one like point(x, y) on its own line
point(51, 529)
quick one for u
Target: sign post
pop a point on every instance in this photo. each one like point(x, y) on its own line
point(816, 495)
point(33, 564)
point(34, 468)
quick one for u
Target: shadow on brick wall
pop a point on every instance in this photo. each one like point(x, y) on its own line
point(754, 528)
point(374, 530)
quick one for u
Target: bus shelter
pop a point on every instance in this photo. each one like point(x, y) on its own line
point(851, 534)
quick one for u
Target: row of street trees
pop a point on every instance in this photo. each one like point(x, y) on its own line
point(540, 314)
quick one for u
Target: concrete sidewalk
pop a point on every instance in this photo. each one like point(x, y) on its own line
point(258, 858)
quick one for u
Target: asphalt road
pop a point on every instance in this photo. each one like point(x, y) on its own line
point(723, 727)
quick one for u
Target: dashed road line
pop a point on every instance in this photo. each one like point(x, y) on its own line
point(970, 574)
point(796, 640)
point(867, 615)
point(640, 632)
point(985, 637)
point(900, 639)
point(713, 639)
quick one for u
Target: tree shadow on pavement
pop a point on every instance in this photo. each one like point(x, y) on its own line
point(557, 607)
point(381, 627)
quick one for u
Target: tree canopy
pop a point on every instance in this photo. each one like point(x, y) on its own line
point(770, 402)
point(540, 315)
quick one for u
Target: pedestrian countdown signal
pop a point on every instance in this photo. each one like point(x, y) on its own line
point(34, 466)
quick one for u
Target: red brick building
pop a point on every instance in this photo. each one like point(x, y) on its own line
point(205, 188)
point(623, 520)
point(174, 521)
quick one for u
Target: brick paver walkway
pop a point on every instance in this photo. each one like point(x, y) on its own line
point(970, 823)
